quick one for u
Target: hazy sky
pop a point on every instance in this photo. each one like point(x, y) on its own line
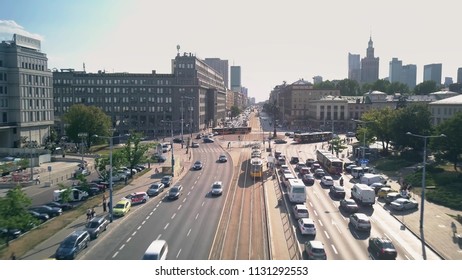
point(272, 41)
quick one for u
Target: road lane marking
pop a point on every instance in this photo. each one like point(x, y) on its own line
point(335, 250)
point(128, 240)
point(320, 222)
point(115, 254)
point(138, 228)
point(121, 247)
point(327, 234)
point(179, 207)
point(166, 226)
point(197, 215)
point(178, 254)
point(159, 236)
point(189, 231)
point(173, 216)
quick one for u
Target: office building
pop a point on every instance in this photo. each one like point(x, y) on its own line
point(317, 80)
point(221, 66)
point(459, 75)
point(369, 65)
point(433, 72)
point(26, 97)
point(405, 74)
point(193, 92)
point(354, 67)
point(395, 70)
point(236, 78)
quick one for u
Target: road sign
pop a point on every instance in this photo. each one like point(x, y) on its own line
point(49, 168)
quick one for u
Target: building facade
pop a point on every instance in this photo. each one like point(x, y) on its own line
point(190, 99)
point(369, 65)
point(221, 66)
point(26, 96)
point(459, 75)
point(444, 109)
point(354, 67)
point(236, 78)
point(405, 74)
point(433, 72)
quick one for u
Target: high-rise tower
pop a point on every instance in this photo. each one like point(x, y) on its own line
point(369, 65)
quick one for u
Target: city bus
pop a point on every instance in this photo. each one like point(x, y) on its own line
point(329, 162)
point(256, 167)
point(312, 137)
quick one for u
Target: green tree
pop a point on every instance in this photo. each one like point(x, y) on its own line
point(86, 119)
point(397, 87)
point(324, 85)
point(337, 145)
point(380, 125)
point(349, 87)
point(450, 147)
point(13, 210)
point(235, 111)
point(425, 88)
point(118, 159)
point(133, 151)
point(381, 85)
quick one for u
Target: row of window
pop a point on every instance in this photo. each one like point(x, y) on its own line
point(36, 116)
point(118, 109)
point(27, 104)
point(28, 79)
point(111, 81)
point(3, 76)
point(114, 99)
point(35, 92)
point(447, 111)
point(3, 103)
point(3, 90)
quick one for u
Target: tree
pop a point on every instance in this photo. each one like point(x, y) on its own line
point(235, 111)
point(134, 151)
point(349, 87)
point(13, 210)
point(380, 125)
point(450, 147)
point(118, 158)
point(381, 85)
point(324, 85)
point(86, 119)
point(337, 145)
point(397, 87)
point(425, 88)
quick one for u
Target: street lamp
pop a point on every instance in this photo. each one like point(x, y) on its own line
point(364, 136)
point(171, 143)
point(110, 173)
point(82, 135)
point(423, 171)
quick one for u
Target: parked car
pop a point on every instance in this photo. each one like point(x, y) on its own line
point(42, 217)
point(337, 191)
point(381, 248)
point(402, 204)
point(395, 195)
point(217, 188)
point(208, 140)
point(50, 211)
point(175, 192)
point(65, 206)
point(137, 197)
point(155, 189)
point(166, 180)
point(195, 145)
point(360, 222)
point(122, 207)
point(280, 141)
point(96, 226)
point(308, 179)
point(349, 205)
point(10, 234)
point(197, 165)
point(73, 244)
point(315, 250)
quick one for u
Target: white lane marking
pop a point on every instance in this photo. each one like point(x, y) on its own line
point(197, 215)
point(335, 250)
point(320, 222)
point(178, 254)
point(173, 216)
point(166, 226)
point(184, 200)
point(316, 213)
point(128, 240)
point(138, 228)
point(159, 236)
point(189, 231)
point(121, 247)
point(116, 253)
point(327, 234)
point(179, 207)
point(143, 222)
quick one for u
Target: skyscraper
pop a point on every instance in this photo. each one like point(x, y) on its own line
point(406, 74)
point(369, 65)
point(432, 72)
point(221, 66)
point(395, 70)
point(459, 75)
point(236, 78)
point(354, 67)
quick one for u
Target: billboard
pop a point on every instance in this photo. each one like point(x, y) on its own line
point(27, 42)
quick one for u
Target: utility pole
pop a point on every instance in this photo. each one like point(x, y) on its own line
point(181, 122)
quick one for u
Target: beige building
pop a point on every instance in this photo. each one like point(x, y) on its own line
point(444, 109)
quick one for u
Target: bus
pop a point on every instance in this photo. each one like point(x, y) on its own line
point(296, 191)
point(256, 167)
point(329, 162)
point(312, 137)
point(231, 130)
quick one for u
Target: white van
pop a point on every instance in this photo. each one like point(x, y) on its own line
point(286, 177)
point(363, 194)
point(156, 251)
point(74, 195)
point(296, 191)
point(369, 179)
point(359, 171)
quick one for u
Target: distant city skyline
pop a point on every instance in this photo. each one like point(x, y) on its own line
point(278, 45)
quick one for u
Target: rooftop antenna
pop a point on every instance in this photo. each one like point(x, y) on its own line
point(177, 50)
point(84, 67)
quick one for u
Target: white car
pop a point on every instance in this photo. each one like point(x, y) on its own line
point(327, 181)
point(404, 204)
point(306, 226)
point(300, 211)
point(217, 188)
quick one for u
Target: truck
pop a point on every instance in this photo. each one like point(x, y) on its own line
point(369, 179)
point(296, 191)
point(363, 194)
point(75, 195)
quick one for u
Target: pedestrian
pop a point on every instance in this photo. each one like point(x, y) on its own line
point(126, 179)
point(88, 214)
point(104, 204)
point(229, 144)
point(37, 180)
point(93, 212)
point(13, 256)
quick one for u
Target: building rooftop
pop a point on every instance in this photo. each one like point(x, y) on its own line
point(455, 100)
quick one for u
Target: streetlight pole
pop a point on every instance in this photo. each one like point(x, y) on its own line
point(171, 143)
point(364, 136)
point(181, 122)
point(422, 199)
point(423, 171)
point(82, 135)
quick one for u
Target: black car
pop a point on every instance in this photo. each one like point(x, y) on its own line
point(10, 234)
point(65, 206)
point(39, 216)
point(308, 179)
point(158, 158)
point(280, 141)
point(44, 209)
point(381, 248)
point(198, 136)
point(208, 140)
point(175, 192)
point(74, 243)
point(166, 180)
point(96, 226)
point(294, 160)
point(337, 191)
point(178, 140)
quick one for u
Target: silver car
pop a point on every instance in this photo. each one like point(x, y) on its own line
point(155, 189)
point(217, 188)
point(402, 204)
